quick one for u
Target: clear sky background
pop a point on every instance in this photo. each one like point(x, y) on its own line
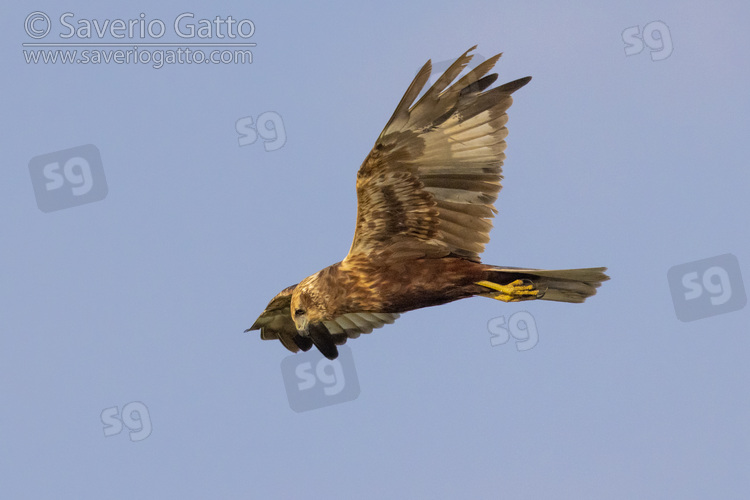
point(139, 300)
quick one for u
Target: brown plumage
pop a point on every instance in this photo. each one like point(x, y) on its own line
point(426, 196)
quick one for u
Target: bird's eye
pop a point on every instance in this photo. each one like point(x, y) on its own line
point(299, 312)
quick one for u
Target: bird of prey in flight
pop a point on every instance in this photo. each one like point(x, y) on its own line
point(425, 200)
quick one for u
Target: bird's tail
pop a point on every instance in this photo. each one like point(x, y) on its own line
point(511, 284)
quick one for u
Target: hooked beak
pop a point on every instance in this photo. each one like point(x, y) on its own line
point(301, 325)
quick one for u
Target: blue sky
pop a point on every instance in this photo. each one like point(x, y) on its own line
point(135, 301)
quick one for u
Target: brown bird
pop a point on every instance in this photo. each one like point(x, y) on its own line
point(426, 196)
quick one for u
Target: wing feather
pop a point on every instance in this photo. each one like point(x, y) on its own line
point(328, 334)
point(428, 187)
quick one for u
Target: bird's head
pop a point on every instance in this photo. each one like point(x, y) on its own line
point(309, 311)
point(305, 308)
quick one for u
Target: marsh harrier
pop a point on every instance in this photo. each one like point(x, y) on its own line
point(426, 196)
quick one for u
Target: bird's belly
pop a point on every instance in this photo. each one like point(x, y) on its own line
point(426, 282)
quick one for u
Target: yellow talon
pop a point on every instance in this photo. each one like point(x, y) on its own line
point(512, 292)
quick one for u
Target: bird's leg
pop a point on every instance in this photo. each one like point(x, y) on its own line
point(514, 291)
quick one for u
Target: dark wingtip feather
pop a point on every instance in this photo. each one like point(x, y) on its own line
point(511, 87)
point(480, 84)
point(323, 340)
point(304, 343)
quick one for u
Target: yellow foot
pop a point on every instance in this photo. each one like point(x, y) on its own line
point(512, 292)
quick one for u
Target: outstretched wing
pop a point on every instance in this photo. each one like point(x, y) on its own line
point(428, 187)
point(328, 334)
point(276, 323)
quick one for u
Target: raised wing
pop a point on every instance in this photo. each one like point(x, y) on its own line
point(428, 187)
